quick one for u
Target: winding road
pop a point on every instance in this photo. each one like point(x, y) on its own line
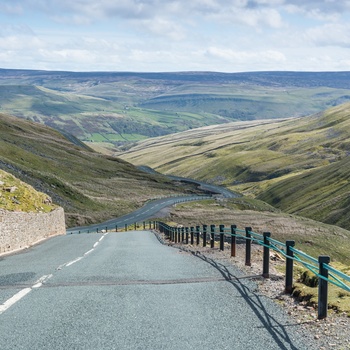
point(153, 207)
point(126, 291)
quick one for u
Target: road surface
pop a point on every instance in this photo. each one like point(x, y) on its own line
point(126, 290)
point(147, 211)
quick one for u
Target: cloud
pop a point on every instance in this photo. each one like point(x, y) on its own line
point(253, 57)
point(330, 34)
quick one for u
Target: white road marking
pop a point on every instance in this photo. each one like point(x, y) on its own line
point(74, 261)
point(22, 293)
point(18, 296)
point(41, 280)
point(88, 252)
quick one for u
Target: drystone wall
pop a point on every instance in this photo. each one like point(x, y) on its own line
point(21, 230)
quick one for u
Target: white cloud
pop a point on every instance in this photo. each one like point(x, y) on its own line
point(175, 34)
point(253, 57)
point(331, 34)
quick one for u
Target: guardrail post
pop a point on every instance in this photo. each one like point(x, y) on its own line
point(149, 224)
point(178, 234)
point(175, 234)
point(212, 236)
point(289, 267)
point(205, 235)
point(116, 228)
point(266, 256)
point(106, 229)
point(192, 235)
point(97, 230)
point(197, 234)
point(248, 246)
point(182, 234)
point(186, 234)
point(222, 228)
point(135, 226)
point(323, 287)
point(144, 225)
point(126, 227)
point(233, 240)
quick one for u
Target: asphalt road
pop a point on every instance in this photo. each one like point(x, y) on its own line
point(125, 290)
point(214, 189)
point(147, 211)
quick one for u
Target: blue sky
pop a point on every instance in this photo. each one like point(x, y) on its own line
point(177, 35)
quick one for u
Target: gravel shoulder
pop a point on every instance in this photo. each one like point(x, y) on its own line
point(330, 333)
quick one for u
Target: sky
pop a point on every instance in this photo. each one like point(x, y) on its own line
point(175, 35)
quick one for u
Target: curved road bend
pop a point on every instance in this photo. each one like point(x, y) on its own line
point(142, 214)
point(215, 189)
point(127, 291)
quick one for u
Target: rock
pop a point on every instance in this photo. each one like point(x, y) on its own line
point(10, 189)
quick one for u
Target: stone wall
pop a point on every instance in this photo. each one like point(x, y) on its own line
point(20, 230)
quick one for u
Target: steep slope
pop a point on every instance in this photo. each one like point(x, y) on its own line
point(298, 165)
point(89, 186)
point(16, 195)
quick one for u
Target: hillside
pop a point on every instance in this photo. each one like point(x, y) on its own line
point(298, 165)
point(89, 186)
point(16, 195)
point(110, 109)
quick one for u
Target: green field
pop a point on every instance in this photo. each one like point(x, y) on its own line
point(300, 166)
point(90, 187)
point(126, 107)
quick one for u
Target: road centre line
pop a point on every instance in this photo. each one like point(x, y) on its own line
point(22, 293)
point(74, 261)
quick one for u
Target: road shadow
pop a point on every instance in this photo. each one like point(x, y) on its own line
point(277, 330)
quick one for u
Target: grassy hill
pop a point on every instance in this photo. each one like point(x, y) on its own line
point(109, 109)
point(16, 195)
point(91, 187)
point(94, 119)
point(298, 165)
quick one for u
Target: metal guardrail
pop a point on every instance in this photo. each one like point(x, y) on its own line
point(319, 267)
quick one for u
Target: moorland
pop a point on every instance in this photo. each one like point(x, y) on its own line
point(111, 109)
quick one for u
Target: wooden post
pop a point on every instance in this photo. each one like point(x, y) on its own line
point(289, 267)
point(323, 287)
point(248, 246)
point(233, 240)
point(266, 256)
point(222, 237)
point(212, 236)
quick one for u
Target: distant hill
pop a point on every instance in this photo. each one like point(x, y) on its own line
point(91, 187)
point(299, 165)
point(114, 108)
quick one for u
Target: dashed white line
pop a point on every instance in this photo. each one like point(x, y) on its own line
point(13, 300)
point(41, 280)
point(22, 293)
point(74, 261)
point(88, 252)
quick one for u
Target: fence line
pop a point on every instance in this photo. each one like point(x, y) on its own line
point(319, 267)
